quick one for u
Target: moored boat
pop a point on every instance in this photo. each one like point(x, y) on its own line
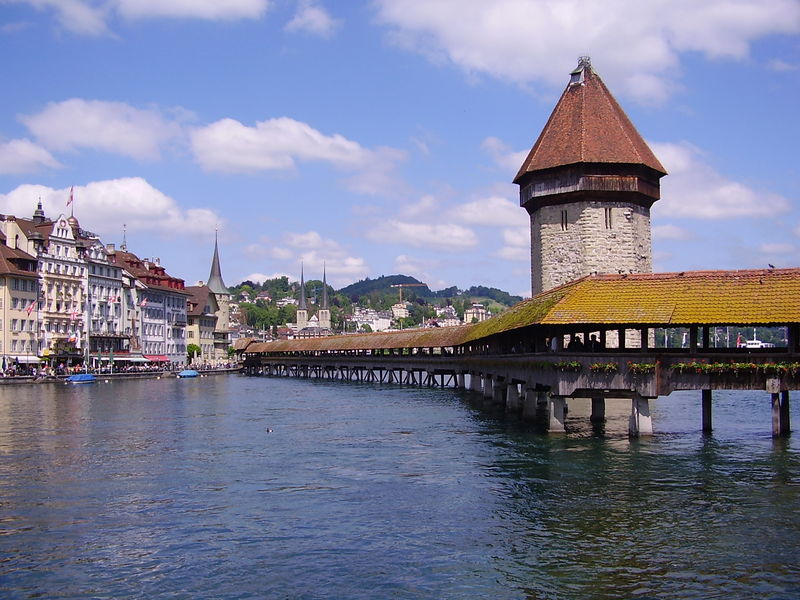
point(188, 373)
point(81, 378)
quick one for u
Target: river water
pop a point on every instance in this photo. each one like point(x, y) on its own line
point(234, 487)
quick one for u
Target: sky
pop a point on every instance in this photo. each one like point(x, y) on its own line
point(382, 137)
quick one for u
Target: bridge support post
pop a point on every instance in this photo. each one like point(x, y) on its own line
point(475, 382)
point(512, 398)
point(780, 414)
point(498, 391)
point(460, 381)
point(529, 404)
point(556, 414)
point(707, 420)
point(598, 409)
point(640, 423)
point(488, 392)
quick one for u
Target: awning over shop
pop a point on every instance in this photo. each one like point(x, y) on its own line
point(137, 358)
point(156, 358)
point(27, 360)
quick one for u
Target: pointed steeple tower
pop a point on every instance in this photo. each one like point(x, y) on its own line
point(302, 309)
point(588, 184)
point(324, 311)
point(215, 283)
point(217, 287)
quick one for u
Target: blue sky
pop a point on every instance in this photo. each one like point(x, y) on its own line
point(381, 137)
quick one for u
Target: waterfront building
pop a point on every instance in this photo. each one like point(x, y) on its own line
point(62, 321)
point(105, 307)
point(161, 300)
point(201, 322)
point(588, 184)
point(19, 306)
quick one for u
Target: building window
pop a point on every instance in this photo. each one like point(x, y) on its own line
point(608, 218)
point(564, 220)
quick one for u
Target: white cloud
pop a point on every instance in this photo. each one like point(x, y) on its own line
point(276, 144)
point(279, 144)
point(671, 232)
point(76, 16)
point(420, 269)
point(90, 17)
point(517, 244)
point(637, 45)
point(113, 127)
point(23, 156)
point(425, 206)
point(222, 10)
point(314, 252)
point(103, 206)
point(444, 236)
point(777, 249)
point(693, 189)
point(314, 19)
point(493, 211)
point(261, 277)
point(503, 156)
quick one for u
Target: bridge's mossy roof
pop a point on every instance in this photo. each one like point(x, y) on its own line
point(758, 296)
point(751, 297)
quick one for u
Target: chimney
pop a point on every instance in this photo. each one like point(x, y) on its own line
point(110, 248)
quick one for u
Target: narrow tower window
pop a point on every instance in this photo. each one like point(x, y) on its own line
point(608, 218)
point(563, 220)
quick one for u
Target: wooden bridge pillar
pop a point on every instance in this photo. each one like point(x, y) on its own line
point(529, 404)
point(780, 414)
point(460, 380)
point(488, 392)
point(512, 398)
point(475, 382)
point(498, 391)
point(640, 423)
point(707, 421)
point(598, 409)
point(556, 414)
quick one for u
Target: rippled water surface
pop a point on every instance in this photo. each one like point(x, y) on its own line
point(233, 487)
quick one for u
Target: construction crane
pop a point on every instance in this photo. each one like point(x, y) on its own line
point(404, 285)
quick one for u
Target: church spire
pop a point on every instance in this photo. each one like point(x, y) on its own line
point(324, 289)
point(215, 283)
point(302, 305)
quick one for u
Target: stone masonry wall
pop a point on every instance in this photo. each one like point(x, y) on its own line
point(569, 241)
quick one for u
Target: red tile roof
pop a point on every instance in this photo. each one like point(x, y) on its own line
point(152, 275)
point(588, 126)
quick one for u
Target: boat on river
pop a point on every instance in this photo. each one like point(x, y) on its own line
point(188, 373)
point(81, 378)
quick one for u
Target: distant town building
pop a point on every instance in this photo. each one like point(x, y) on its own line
point(400, 310)
point(476, 313)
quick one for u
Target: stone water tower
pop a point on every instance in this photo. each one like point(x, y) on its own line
point(588, 184)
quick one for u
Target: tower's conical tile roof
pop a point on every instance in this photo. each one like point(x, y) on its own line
point(587, 126)
point(215, 283)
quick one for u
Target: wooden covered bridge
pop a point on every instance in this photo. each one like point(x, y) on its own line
point(523, 360)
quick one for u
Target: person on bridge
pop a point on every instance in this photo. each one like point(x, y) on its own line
point(575, 344)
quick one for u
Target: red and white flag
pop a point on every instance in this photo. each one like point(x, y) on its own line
point(31, 307)
point(70, 196)
point(73, 315)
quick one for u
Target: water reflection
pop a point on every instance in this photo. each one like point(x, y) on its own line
point(236, 487)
